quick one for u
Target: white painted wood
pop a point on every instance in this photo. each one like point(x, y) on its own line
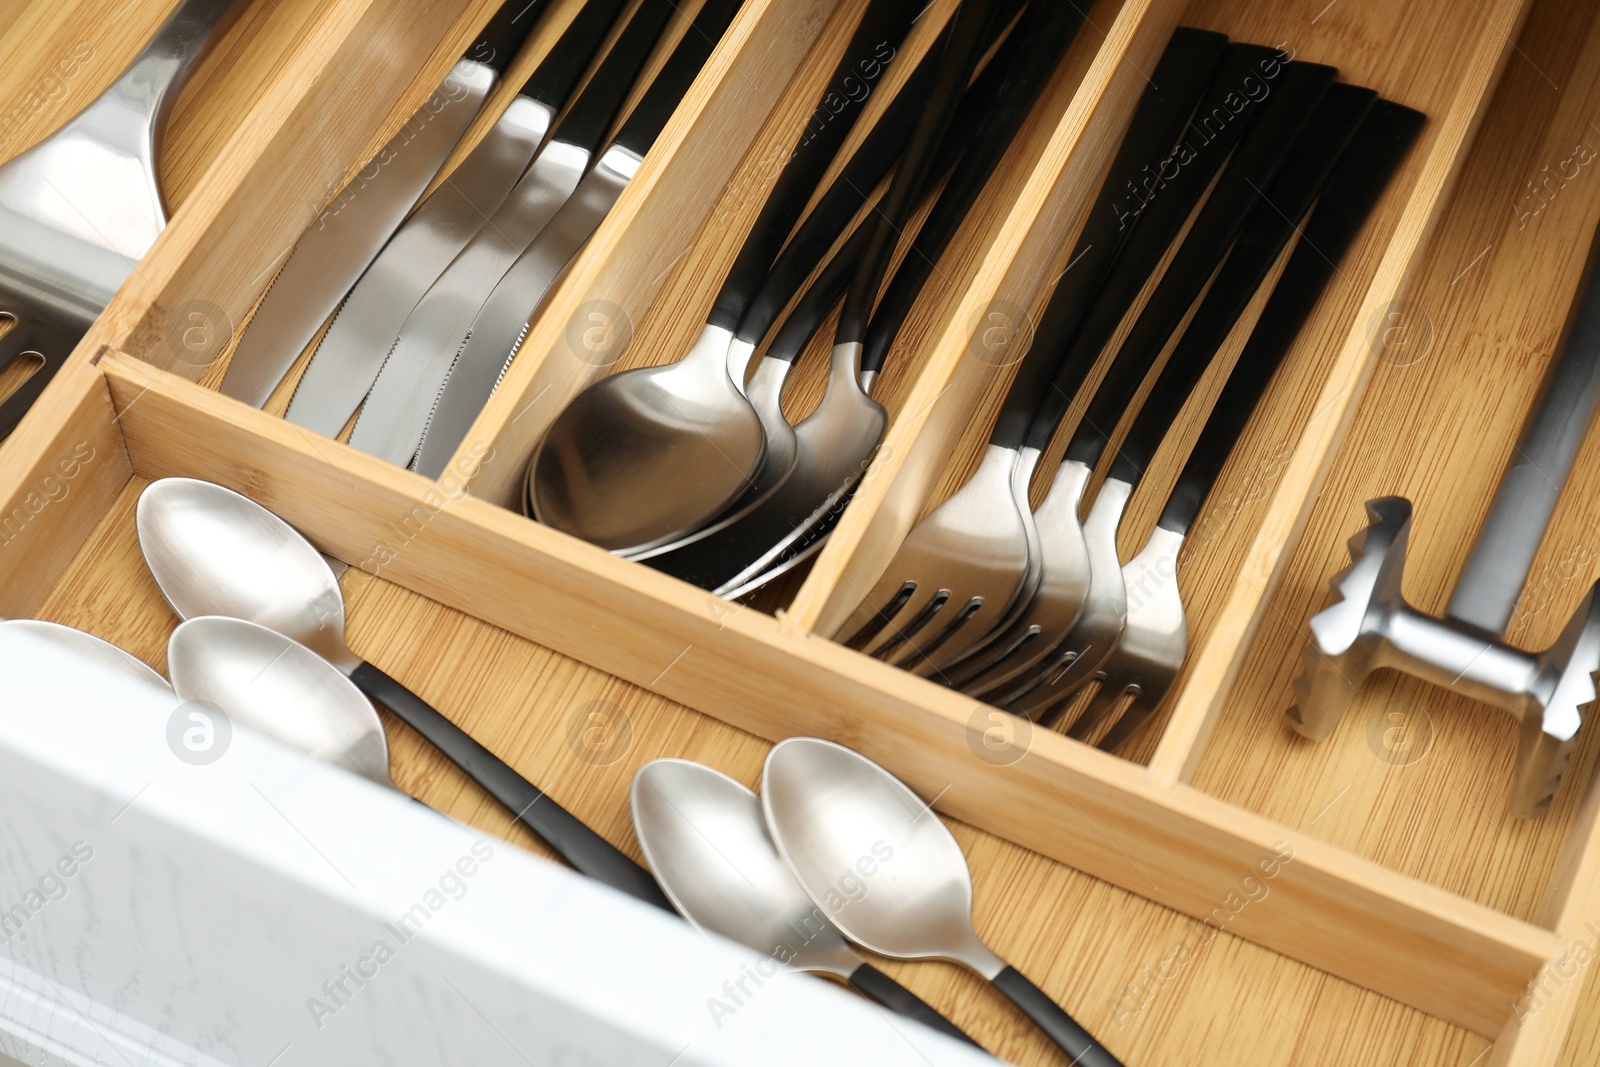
point(181, 914)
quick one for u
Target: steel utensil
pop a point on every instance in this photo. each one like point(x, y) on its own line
point(80, 208)
point(277, 687)
point(704, 836)
point(215, 552)
point(488, 185)
point(640, 458)
point(334, 251)
point(973, 562)
point(832, 812)
point(395, 415)
point(1150, 649)
point(89, 647)
point(501, 321)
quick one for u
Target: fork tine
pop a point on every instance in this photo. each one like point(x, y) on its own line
point(873, 626)
point(53, 346)
point(917, 616)
point(921, 651)
point(1133, 718)
point(1100, 705)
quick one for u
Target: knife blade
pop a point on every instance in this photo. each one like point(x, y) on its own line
point(392, 421)
point(502, 321)
point(351, 353)
point(334, 251)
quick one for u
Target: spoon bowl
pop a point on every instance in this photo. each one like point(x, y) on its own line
point(87, 646)
point(273, 685)
point(642, 457)
point(255, 566)
point(852, 832)
point(704, 837)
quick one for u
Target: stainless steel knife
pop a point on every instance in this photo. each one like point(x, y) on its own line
point(352, 352)
point(391, 423)
point(338, 246)
point(498, 328)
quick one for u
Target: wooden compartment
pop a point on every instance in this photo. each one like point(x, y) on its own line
point(512, 628)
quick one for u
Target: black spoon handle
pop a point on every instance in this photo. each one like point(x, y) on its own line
point(1266, 233)
point(961, 54)
point(558, 73)
point(1164, 200)
point(504, 33)
point(1364, 171)
point(574, 842)
point(875, 985)
point(1180, 78)
point(1014, 79)
point(589, 118)
point(862, 173)
point(1256, 160)
point(654, 109)
point(877, 38)
point(1057, 1025)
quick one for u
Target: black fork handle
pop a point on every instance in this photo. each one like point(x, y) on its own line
point(1364, 171)
point(1255, 161)
point(1266, 233)
point(1180, 78)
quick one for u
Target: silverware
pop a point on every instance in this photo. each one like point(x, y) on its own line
point(489, 184)
point(418, 360)
point(991, 110)
point(704, 836)
point(80, 208)
point(214, 552)
point(643, 457)
point(1371, 626)
point(347, 236)
point(835, 443)
point(907, 894)
point(502, 320)
point(89, 647)
point(277, 687)
point(1151, 647)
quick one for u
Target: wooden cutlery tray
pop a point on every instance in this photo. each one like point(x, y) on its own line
point(1431, 910)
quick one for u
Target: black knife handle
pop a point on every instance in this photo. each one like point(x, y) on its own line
point(1009, 87)
point(869, 54)
point(654, 110)
point(875, 985)
point(589, 118)
point(1266, 233)
point(574, 842)
point(507, 28)
point(1364, 171)
point(557, 75)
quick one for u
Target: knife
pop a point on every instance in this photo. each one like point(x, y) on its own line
point(351, 353)
point(498, 329)
point(339, 245)
point(392, 420)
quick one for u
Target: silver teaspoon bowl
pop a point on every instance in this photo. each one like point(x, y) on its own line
point(642, 457)
point(89, 647)
point(263, 680)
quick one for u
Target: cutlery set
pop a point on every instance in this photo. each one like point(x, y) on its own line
point(262, 643)
point(1033, 610)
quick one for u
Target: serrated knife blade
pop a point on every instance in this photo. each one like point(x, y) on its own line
point(333, 253)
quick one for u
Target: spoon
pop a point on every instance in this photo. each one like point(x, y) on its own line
point(214, 552)
point(703, 835)
point(828, 808)
point(89, 647)
point(280, 688)
point(642, 457)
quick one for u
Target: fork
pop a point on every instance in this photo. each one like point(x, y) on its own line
point(977, 553)
point(80, 208)
point(1349, 173)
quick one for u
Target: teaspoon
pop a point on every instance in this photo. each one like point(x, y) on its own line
point(89, 647)
point(214, 552)
point(827, 807)
point(704, 837)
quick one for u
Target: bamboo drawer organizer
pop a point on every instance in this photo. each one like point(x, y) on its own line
point(1454, 930)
